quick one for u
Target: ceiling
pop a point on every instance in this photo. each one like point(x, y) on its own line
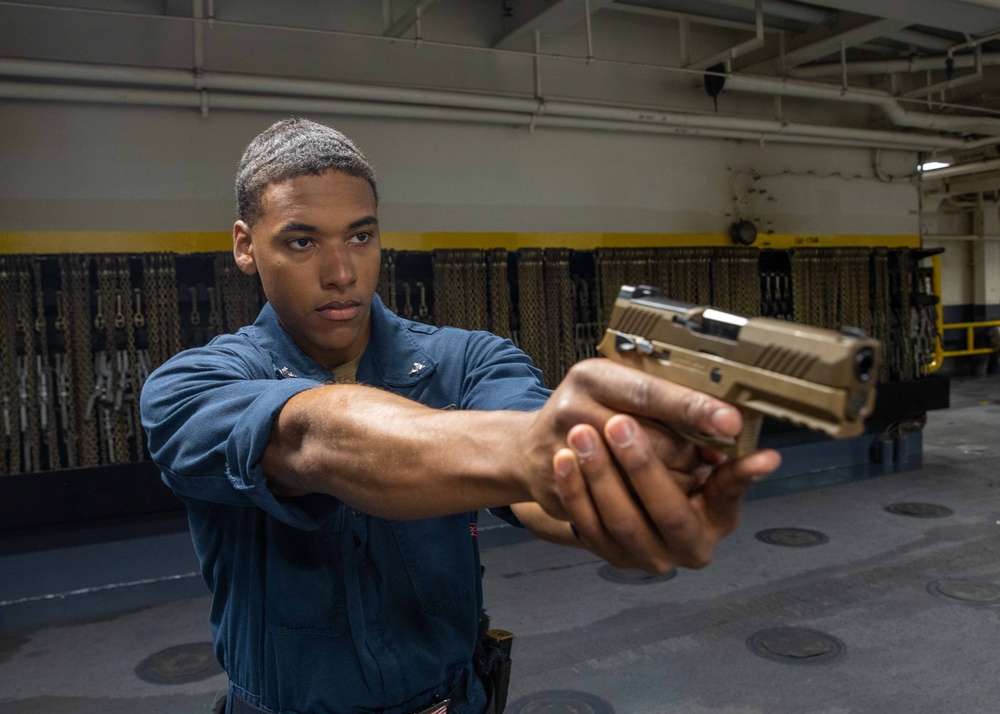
point(923, 71)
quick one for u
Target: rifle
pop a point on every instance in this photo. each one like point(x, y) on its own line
point(813, 377)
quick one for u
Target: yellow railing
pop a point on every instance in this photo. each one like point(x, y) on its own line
point(969, 327)
point(940, 353)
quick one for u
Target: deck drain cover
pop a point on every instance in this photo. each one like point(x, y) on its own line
point(919, 510)
point(966, 592)
point(795, 645)
point(559, 702)
point(792, 537)
point(180, 665)
point(634, 576)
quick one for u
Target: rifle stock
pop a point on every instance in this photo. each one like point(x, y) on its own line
point(813, 377)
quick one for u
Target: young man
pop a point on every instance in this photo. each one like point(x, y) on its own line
point(333, 457)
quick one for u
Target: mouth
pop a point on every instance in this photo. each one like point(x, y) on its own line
point(339, 310)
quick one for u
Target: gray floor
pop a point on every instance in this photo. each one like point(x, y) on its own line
point(659, 647)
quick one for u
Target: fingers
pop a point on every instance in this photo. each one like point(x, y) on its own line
point(624, 389)
point(721, 496)
point(632, 510)
point(665, 503)
point(607, 519)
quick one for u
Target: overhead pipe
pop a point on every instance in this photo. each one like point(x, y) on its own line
point(884, 100)
point(227, 82)
point(930, 89)
point(602, 119)
point(914, 64)
point(219, 81)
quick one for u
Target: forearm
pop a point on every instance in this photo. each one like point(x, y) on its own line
point(393, 457)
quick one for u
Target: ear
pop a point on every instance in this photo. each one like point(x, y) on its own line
point(243, 249)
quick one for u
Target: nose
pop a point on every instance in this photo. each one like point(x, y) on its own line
point(337, 267)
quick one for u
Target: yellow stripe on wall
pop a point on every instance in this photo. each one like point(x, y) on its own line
point(46, 242)
point(51, 242)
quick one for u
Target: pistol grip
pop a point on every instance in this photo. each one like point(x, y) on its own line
point(745, 443)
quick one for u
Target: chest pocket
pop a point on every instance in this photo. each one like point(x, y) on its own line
point(440, 561)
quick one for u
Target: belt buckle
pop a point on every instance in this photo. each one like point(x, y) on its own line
point(436, 708)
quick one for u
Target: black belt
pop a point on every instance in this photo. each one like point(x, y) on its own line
point(239, 706)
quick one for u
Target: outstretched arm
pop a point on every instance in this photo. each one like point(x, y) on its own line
point(624, 481)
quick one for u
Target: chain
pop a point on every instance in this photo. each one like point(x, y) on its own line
point(881, 307)
point(82, 357)
point(531, 308)
point(27, 387)
point(215, 326)
point(461, 289)
point(586, 331)
point(559, 309)
point(605, 283)
point(163, 315)
point(444, 286)
point(47, 422)
point(747, 280)
point(10, 424)
point(65, 378)
point(499, 292)
point(170, 305)
point(100, 401)
point(722, 281)
point(476, 291)
point(151, 289)
point(926, 331)
point(127, 399)
point(909, 368)
point(387, 279)
point(239, 298)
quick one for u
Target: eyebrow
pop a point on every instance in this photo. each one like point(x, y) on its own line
point(366, 221)
point(295, 227)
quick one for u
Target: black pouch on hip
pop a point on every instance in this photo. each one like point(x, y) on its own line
point(492, 661)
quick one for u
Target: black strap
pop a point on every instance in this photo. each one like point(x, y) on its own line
point(239, 706)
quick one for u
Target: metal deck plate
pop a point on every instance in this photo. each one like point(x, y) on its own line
point(560, 702)
point(191, 662)
point(792, 537)
point(633, 576)
point(919, 510)
point(795, 645)
point(966, 592)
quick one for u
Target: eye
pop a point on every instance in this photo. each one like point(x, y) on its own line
point(363, 237)
point(300, 243)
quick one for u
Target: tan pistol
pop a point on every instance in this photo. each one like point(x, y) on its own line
point(813, 377)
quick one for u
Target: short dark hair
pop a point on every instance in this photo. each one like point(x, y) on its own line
point(290, 148)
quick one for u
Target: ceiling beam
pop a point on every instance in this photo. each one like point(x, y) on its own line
point(921, 40)
point(974, 18)
point(562, 15)
point(409, 18)
point(819, 44)
point(848, 38)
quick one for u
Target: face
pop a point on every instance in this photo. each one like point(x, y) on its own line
point(317, 251)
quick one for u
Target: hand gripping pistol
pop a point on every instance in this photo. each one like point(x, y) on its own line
point(813, 377)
